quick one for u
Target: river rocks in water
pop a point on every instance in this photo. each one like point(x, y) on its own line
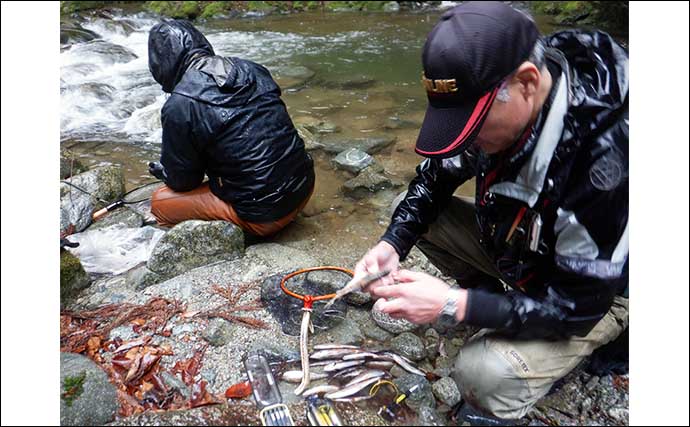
point(74, 33)
point(352, 160)
point(317, 125)
point(73, 277)
point(69, 164)
point(101, 185)
point(311, 142)
point(391, 6)
point(394, 326)
point(290, 77)
point(366, 183)
point(351, 83)
point(86, 395)
point(446, 391)
point(370, 145)
point(422, 394)
point(395, 122)
point(192, 244)
point(217, 333)
point(409, 345)
point(106, 52)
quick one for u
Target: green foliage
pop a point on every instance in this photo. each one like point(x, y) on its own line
point(214, 8)
point(175, 9)
point(73, 387)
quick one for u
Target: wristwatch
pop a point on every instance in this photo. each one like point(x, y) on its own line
point(447, 317)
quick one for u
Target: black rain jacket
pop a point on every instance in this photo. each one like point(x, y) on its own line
point(553, 209)
point(224, 118)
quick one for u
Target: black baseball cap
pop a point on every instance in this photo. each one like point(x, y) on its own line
point(467, 55)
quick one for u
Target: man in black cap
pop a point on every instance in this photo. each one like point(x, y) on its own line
point(541, 254)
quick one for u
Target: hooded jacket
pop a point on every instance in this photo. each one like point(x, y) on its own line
point(553, 209)
point(225, 119)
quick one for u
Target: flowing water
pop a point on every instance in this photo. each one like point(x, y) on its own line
point(366, 81)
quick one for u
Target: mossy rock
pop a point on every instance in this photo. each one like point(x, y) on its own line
point(73, 278)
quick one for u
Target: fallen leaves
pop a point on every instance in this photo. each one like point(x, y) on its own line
point(239, 390)
point(233, 295)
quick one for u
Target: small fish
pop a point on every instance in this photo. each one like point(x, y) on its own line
point(353, 399)
point(382, 365)
point(321, 389)
point(404, 363)
point(365, 376)
point(335, 347)
point(348, 375)
point(337, 366)
point(333, 354)
point(296, 376)
point(351, 390)
point(363, 355)
point(355, 285)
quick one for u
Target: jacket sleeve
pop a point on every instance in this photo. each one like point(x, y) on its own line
point(180, 155)
point(590, 259)
point(428, 193)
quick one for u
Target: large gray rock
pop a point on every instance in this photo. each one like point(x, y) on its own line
point(106, 52)
point(370, 145)
point(446, 391)
point(394, 326)
point(75, 33)
point(352, 160)
point(73, 278)
point(86, 395)
point(192, 244)
point(69, 164)
point(409, 345)
point(97, 187)
point(366, 183)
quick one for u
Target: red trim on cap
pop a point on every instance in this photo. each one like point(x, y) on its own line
point(478, 114)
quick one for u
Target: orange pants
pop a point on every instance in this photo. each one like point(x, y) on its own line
point(170, 208)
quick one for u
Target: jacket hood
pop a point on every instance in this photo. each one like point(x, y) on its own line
point(173, 46)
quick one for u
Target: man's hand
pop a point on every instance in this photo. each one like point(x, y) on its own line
point(418, 297)
point(381, 257)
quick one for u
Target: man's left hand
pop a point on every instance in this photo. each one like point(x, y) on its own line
point(418, 297)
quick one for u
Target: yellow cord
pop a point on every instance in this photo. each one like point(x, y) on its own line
point(375, 388)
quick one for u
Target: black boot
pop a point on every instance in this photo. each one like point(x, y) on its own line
point(611, 358)
point(465, 413)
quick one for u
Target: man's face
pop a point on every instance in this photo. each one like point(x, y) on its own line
point(508, 118)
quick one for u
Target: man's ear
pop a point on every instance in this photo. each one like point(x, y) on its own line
point(528, 77)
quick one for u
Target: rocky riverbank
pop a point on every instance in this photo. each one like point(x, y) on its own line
point(201, 299)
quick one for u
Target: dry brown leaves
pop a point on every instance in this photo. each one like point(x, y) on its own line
point(233, 295)
point(134, 366)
